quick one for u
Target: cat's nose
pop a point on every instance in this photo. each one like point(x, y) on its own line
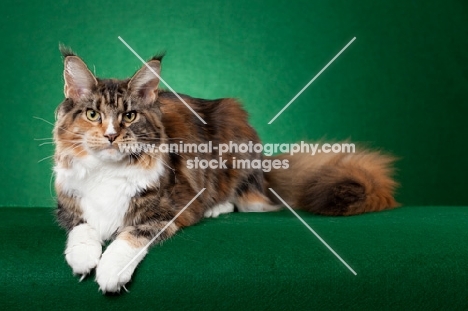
point(111, 137)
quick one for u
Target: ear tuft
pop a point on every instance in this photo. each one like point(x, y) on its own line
point(65, 50)
point(144, 83)
point(158, 56)
point(79, 81)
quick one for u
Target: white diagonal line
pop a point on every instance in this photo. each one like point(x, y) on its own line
point(310, 82)
point(160, 232)
point(312, 230)
point(161, 79)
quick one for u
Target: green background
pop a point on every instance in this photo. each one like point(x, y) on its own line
point(402, 85)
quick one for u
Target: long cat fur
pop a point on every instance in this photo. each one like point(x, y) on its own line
point(128, 198)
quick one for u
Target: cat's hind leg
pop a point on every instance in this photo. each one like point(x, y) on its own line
point(223, 208)
point(249, 195)
point(254, 201)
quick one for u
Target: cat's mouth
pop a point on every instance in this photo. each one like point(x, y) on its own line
point(110, 147)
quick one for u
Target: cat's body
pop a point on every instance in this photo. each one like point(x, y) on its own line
point(105, 193)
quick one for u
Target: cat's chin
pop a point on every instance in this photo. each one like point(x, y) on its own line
point(110, 155)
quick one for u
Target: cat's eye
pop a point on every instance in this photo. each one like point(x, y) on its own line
point(129, 116)
point(93, 115)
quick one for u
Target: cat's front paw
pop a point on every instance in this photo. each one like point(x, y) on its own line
point(83, 249)
point(112, 272)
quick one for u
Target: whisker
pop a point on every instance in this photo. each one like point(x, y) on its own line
point(50, 186)
point(47, 143)
point(69, 140)
point(47, 138)
point(173, 172)
point(48, 122)
point(178, 154)
point(140, 157)
point(66, 150)
point(158, 138)
point(78, 134)
point(72, 147)
point(45, 158)
point(44, 120)
point(82, 151)
point(165, 164)
point(74, 143)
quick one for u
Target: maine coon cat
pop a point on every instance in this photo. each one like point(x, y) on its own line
point(129, 196)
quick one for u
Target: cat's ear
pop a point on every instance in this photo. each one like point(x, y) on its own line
point(79, 81)
point(144, 83)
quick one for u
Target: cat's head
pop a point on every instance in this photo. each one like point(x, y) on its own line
point(99, 116)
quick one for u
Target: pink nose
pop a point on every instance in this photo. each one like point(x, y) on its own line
point(111, 137)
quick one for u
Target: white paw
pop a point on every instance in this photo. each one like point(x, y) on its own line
point(112, 272)
point(257, 207)
point(215, 211)
point(83, 249)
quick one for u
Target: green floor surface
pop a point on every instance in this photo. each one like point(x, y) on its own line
point(411, 258)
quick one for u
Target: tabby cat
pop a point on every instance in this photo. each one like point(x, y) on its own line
point(128, 197)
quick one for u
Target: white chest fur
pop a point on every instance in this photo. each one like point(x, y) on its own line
point(105, 189)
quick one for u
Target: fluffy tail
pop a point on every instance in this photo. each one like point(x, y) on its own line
point(335, 184)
